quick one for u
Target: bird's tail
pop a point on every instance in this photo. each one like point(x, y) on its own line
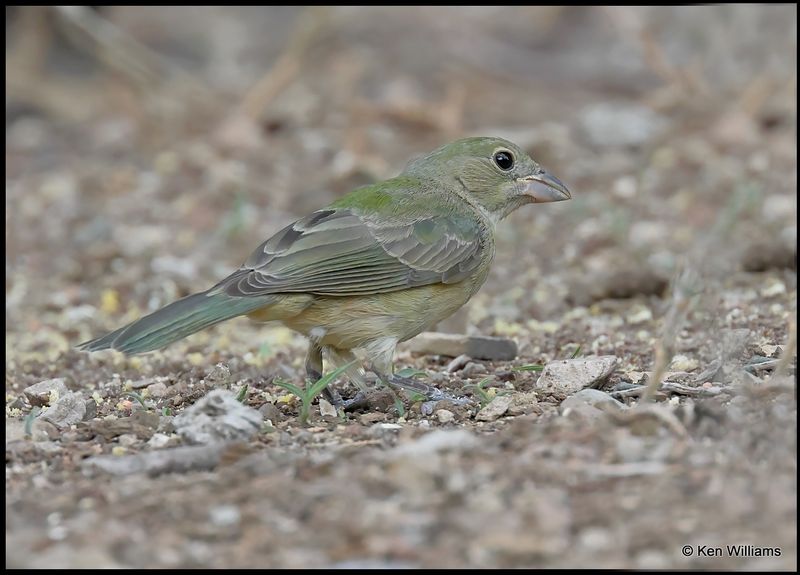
point(175, 321)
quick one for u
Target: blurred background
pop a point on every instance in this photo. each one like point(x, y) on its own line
point(150, 149)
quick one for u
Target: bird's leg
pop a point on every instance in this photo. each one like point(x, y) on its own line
point(382, 367)
point(314, 370)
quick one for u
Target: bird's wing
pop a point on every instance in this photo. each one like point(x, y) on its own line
point(340, 253)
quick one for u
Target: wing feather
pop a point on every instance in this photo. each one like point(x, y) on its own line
point(338, 252)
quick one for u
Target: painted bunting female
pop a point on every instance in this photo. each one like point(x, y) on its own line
point(377, 267)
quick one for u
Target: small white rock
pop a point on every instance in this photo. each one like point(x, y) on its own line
point(158, 440)
point(641, 315)
point(684, 363)
point(497, 407)
point(625, 187)
point(777, 287)
point(388, 426)
point(326, 408)
point(768, 350)
point(224, 515)
point(445, 415)
point(568, 376)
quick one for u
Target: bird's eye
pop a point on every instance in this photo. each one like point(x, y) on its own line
point(504, 160)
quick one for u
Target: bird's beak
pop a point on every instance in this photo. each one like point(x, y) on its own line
point(544, 187)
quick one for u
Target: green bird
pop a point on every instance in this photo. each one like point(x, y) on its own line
point(375, 268)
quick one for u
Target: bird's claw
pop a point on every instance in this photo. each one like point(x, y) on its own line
point(357, 401)
point(432, 394)
point(428, 406)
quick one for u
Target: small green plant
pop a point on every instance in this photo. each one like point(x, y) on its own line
point(410, 373)
point(166, 411)
point(483, 395)
point(242, 394)
point(399, 406)
point(539, 367)
point(29, 419)
point(311, 390)
point(137, 397)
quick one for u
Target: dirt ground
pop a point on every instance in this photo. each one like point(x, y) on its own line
point(147, 165)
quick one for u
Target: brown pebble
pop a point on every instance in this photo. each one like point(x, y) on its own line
point(44, 431)
point(372, 417)
point(271, 412)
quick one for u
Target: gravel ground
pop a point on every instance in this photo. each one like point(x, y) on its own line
point(125, 191)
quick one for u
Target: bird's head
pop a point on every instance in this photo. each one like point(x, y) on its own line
point(493, 173)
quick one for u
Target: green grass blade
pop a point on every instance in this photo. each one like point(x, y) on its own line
point(532, 367)
point(326, 380)
point(399, 406)
point(29, 419)
point(290, 387)
point(410, 372)
point(480, 384)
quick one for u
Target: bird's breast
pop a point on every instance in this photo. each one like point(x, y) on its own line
point(351, 322)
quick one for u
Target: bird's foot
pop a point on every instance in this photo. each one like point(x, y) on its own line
point(357, 401)
point(432, 394)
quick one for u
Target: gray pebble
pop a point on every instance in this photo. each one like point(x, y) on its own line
point(472, 369)
point(157, 390)
point(68, 410)
point(271, 412)
point(497, 407)
point(567, 376)
point(39, 393)
point(593, 398)
point(218, 417)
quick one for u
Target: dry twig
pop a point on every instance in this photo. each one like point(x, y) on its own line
point(121, 52)
point(309, 24)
